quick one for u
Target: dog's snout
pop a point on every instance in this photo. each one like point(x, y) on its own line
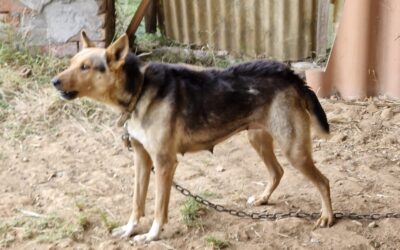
point(56, 82)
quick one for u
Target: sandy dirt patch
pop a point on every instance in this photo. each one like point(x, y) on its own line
point(65, 162)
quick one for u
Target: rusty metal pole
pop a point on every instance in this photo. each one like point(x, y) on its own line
point(365, 57)
point(389, 48)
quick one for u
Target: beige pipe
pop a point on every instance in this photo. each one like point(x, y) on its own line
point(389, 48)
point(365, 58)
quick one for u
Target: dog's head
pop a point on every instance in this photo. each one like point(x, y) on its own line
point(96, 73)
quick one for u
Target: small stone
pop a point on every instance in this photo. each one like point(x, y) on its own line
point(357, 223)
point(346, 157)
point(220, 169)
point(338, 138)
point(387, 114)
point(25, 159)
point(372, 224)
point(371, 108)
point(375, 244)
point(251, 200)
point(315, 241)
point(334, 97)
point(25, 72)
point(242, 236)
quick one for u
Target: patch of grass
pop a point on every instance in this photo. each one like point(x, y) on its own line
point(148, 41)
point(3, 104)
point(3, 108)
point(5, 237)
point(46, 229)
point(21, 131)
point(108, 223)
point(15, 53)
point(190, 211)
point(83, 221)
point(209, 194)
point(217, 243)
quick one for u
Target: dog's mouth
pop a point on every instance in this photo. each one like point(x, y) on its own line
point(68, 95)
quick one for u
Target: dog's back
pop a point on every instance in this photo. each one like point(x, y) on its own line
point(215, 98)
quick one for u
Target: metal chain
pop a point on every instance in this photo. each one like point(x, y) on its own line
point(281, 215)
point(270, 216)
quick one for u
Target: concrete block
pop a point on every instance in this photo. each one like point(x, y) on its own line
point(36, 5)
point(98, 44)
point(60, 21)
point(64, 20)
point(60, 50)
point(99, 35)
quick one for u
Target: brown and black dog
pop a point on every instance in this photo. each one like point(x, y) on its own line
point(172, 109)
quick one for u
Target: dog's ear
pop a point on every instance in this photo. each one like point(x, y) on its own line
point(86, 43)
point(118, 51)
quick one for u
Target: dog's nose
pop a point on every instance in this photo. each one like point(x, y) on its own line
point(56, 82)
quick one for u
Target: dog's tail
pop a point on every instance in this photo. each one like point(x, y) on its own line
point(317, 113)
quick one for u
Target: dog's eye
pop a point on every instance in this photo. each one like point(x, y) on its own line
point(85, 67)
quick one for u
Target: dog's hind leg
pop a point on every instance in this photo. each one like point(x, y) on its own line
point(165, 166)
point(290, 126)
point(262, 143)
point(143, 165)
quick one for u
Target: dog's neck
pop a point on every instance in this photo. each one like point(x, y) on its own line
point(127, 107)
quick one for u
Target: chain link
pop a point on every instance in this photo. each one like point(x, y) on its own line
point(271, 216)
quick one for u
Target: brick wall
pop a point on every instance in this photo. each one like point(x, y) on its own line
point(54, 25)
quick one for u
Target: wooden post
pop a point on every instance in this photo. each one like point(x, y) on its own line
point(150, 19)
point(322, 27)
point(160, 17)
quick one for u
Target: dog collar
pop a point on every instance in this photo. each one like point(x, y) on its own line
point(123, 118)
point(126, 114)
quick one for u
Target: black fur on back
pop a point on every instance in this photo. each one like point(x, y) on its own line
point(213, 98)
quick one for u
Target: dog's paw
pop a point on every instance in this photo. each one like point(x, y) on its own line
point(124, 231)
point(145, 238)
point(324, 221)
point(257, 201)
point(153, 234)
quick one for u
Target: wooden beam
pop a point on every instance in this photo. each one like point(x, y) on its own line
point(137, 18)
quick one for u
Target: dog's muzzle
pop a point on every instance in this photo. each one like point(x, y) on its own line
point(68, 95)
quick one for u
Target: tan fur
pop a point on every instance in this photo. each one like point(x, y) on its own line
point(157, 141)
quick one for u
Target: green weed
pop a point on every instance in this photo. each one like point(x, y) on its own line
point(217, 243)
point(46, 229)
point(190, 211)
point(108, 223)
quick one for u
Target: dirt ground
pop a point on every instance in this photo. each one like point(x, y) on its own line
point(66, 180)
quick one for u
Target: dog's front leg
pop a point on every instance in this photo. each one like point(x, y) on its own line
point(143, 165)
point(165, 168)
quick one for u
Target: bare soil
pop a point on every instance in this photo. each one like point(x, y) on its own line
point(65, 162)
